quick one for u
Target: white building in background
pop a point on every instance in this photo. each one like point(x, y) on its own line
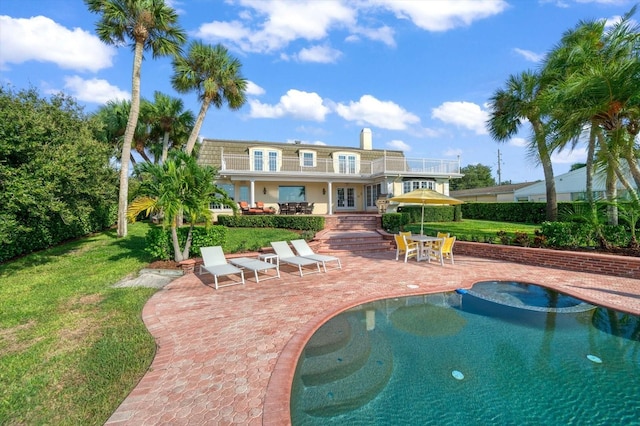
point(570, 186)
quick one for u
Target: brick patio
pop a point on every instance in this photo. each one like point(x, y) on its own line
point(227, 356)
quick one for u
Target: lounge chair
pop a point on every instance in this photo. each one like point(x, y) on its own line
point(257, 265)
point(216, 264)
point(304, 250)
point(404, 247)
point(285, 255)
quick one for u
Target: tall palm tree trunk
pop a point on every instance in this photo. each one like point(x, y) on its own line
point(128, 139)
point(545, 159)
point(165, 147)
point(191, 143)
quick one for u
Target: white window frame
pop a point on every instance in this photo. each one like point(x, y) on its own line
point(410, 185)
point(346, 163)
point(271, 160)
point(303, 157)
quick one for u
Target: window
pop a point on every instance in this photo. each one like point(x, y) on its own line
point(229, 189)
point(291, 194)
point(307, 159)
point(410, 185)
point(258, 160)
point(372, 192)
point(346, 163)
point(265, 159)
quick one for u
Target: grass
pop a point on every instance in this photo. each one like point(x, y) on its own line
point(72, 347)
point(474, 230)
point(250, 239)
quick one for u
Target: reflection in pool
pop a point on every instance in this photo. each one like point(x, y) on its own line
point(501, 353)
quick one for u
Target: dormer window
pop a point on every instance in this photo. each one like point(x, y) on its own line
point(307, 158)
point(265, 159)
point(346, 163)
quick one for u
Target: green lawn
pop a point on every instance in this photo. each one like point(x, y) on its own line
point(71, 346)
point(474, 230)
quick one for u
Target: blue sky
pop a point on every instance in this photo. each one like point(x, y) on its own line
point(417, 73)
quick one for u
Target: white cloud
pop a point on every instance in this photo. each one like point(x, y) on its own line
point(462, 114)
point(94, 90)
point(443, 15)
point(253, 89)
point(269, 26)
point(578, 155)
point(41, 39)
point(320, 54)
point(272, 25)
point(519, 142)
point(529, 55)
point(298, 104)
point(382, 114)
point(398, 145)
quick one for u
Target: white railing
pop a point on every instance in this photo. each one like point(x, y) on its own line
point(243, 163)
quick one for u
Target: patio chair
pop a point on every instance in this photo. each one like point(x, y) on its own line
point(402, 246)
point(442, 251)
point(308, 209)
point(244, 207)
point(266, 210)
point(285, 255)
point(303, 249)
point(216, 264)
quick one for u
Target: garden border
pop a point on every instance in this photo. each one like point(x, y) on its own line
point(597, 263)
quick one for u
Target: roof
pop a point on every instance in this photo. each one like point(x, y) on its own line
point(490, 190)
point(211, 150)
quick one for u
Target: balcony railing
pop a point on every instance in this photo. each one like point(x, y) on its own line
point(385, 165)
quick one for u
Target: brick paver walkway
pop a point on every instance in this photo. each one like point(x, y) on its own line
point(227, 356)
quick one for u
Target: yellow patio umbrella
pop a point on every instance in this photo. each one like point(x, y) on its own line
point(425, 196)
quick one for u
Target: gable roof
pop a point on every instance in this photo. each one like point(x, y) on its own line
point(490, 190)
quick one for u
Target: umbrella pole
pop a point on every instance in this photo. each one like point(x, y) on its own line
point(422, 220)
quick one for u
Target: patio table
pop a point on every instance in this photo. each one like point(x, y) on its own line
point(424, 241)
point(256, 266)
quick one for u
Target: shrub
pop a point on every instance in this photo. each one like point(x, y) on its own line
point(303, 222)
point(159, 245)
point(394, 222)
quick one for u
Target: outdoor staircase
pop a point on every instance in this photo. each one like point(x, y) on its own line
point(353, 234)
point(343, 367)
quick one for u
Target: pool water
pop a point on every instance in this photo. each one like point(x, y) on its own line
point(473, 358)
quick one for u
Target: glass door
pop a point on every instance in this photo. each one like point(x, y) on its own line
point(346, 198)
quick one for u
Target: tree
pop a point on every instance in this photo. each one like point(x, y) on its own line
point(177, 186)
point(521, 100)
point(112, 118)
point(55, 179)
point(148, 25)
point(214, 75)
point(168, 120)
point(475, 176)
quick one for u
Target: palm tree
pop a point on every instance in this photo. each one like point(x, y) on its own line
point(113, 117)
point(214, 75)
point(167, 117)
point(147, 25)
point(521, 100)
point(178, 185)
point(598, 87)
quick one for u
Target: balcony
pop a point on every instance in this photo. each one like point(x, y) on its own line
point(235, 164)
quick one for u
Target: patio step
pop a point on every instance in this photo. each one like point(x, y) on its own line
point(353, 222)
point(339, 242)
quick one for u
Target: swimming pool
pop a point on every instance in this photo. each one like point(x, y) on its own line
point(501, 353)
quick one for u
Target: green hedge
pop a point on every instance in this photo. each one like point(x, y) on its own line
point(160, 246)
point(506, 212)
point(303, 223)
point(431, 213)
point(576, 234)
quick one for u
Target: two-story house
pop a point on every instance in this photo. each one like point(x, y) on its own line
point(336, 179)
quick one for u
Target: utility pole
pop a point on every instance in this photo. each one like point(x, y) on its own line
point(499, 169)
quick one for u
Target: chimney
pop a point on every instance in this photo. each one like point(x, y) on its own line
point(366, 141)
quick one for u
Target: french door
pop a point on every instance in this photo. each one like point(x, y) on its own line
point(346, 198)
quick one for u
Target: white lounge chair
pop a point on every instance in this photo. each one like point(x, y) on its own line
point(285, 255)
point(216, 264)
point(304, 250)
point(256, 266)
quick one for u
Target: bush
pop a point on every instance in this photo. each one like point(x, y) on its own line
point(302, 223)
point(394, 222)
point(160, 246)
